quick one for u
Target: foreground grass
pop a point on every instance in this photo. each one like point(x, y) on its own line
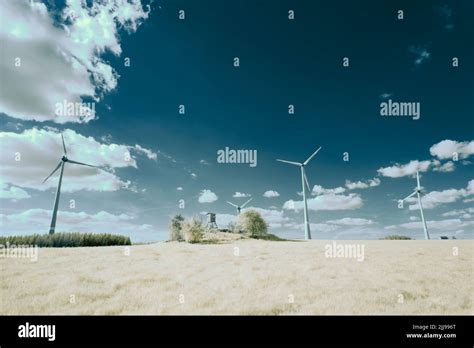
point(67, 239)
point(242, 277)
point(269, 237)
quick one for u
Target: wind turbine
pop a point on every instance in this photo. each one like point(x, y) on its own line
point(304, 179)
point(239, 206)
point(418, 193)
point(61, 165)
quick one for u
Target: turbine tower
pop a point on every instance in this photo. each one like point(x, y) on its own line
point(304, 179)
point(419, 193)
point(61, 165)
point(239, 206)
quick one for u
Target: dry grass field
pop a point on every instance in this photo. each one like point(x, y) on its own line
point(263, 278)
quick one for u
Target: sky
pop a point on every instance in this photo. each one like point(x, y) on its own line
point(153, 91)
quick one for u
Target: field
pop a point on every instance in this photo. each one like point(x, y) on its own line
point(242, 277)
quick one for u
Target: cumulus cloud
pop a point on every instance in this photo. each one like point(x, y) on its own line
point(271, 194)
point(314, 227)
point(443, 225)
point(435, 198)
point(351, 222)
point(179, 188)
point(319, 190)
point(330, 201)
point(447, 149)
point(207, 196)
point(401, 170)
point(60, 55)
point(445, 167)
point(362, 184)
point(28, 157)
point(240, 195)
point(462, 213)
point(12, 192)
point(274, 217)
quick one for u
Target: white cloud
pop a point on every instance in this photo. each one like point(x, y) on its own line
point(61, 58)
point(179, 188)
point(351, 222)
point(409, 169)
point(223, 220)
point(444, 225)
point(150, 154)
point(273, 217)
point(38, 221)
point(446, 167)
point(321, 227)
point(319, 190)
point(314, 227)
point(362, 184)
point(194, 175)
point(445, 149)
point(271, 194)
point(330, 201)
point(240, 195)
point(40, 150)
point(435, 198)
point(463, 213)
point(12, 192)
point(207, 196)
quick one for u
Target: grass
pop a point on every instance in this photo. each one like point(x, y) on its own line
point(270, 237)
point(67, 239)
point(259, 279)
point(396, 237)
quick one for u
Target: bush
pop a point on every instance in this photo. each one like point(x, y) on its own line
point(253, 223)
point(396, 237)
point(67, 239)
point(176, 228)
point(193, 230)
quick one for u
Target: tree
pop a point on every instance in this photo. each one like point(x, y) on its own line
point(193, 230)
point(253, 223)
point(176, 228)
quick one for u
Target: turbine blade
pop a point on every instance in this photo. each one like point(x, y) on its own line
point(417, 180)
point(83, 164)
point(410, 195)
point(307, 183)
point(243, 205)
point(64, 145)
point(232, 204)
point(294, 163)
point(54, 171)
point(311, 157)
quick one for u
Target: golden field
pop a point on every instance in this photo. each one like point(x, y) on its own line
point(243, 277)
